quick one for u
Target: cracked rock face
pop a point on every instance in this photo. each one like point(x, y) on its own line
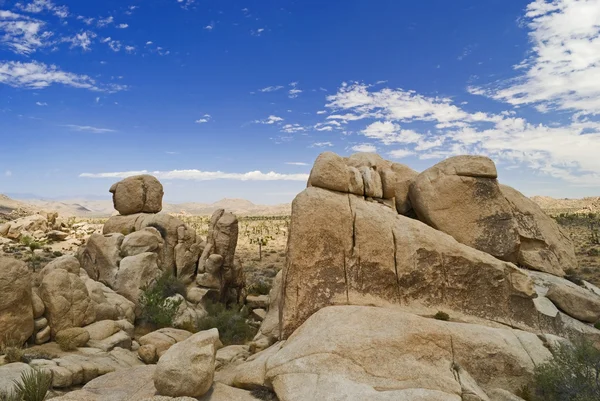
point(343, 249)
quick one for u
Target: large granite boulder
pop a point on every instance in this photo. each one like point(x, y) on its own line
point(137, 194)
point(67, 300)
point(100, 257)
point(382, 354)
point(16, 305)
point(365, 174)
point(188, 367)
point(343, 249)
point(461, 197)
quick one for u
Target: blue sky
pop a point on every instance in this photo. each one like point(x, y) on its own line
point(237, 98)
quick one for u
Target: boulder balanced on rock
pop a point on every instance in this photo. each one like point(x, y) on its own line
point(137, 194)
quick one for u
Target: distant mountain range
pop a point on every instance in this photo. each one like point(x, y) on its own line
point(104, 208)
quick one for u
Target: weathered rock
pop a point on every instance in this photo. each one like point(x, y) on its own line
point(67, 301)
point(40, 323)
point(120, 339)
point(543, 246)
point(27, 224)
point(257, 301)
point(42, 336)
point(163, 339)
point(38, 305)
point(330, 172)
point(76, 336)
point(4, 228)
point(270, 324)
point(136, 272)
point(575, 301)
point(168, 227)
point(147, 354)
point(134, 384)
point(373, 256)
point(145, 240)
point(102, 329)
point(137, 194)
point(108, 304)
point(11, 372)
point(16, 305)
point(364, 174)
point(333, 352)
point(221, 392)
point(461, 197)
point(67, 262)
point(100, 257)
point(187, 368)
point(231, 354)
point(56, 235)
point(259, 314)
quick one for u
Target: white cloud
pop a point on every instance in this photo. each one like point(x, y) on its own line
point(563, 70)
point(364, 147)
point(198, 175)
point(41, 103)
point(148, 43)
point(83, 40)
point(271, 89)
point(322, 112)
point(269, 120)
point(205, 118)
point(102, 22)
point(38, 6)
point(400, 153)
point(294, 92)
point(35, 75)
point(321, 145)
point(87, 128)
point(297, 163)
point(210, 26)
point(23, 34)
point(123, 26)
point(130, 49)
point(291, 128)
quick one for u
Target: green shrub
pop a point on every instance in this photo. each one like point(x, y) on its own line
point(12, 353)
point(29, 355)
point(441, 316)
point(230, 321)
point(572, 375)
point(260, 287)
point(66, 343)
point(264, 394)
point(33, 385)
point(10, 396)
point(156, 308)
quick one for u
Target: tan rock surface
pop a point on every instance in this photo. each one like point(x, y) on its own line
point(137, 194)
point(373, 256)
point(187, 368)
point(16, 305)
point(67, 301)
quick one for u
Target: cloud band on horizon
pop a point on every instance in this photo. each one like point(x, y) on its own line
point(199, 175)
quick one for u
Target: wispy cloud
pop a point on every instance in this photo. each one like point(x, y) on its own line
point(321, 145)
point(87, 128)
point(206, 118)
point(271, 88)
point(41, 103)
point(364, 147)
point(269, 120)
point(294, 92)
point(297, 163)
point(102, 22)
point(198, 175)
point(23, 34)
point(36, 75)
point(123, 26)
point(38, 6)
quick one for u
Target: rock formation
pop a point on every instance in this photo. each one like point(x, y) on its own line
point(16, 304)
point(461, 197)
point(137, 194)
